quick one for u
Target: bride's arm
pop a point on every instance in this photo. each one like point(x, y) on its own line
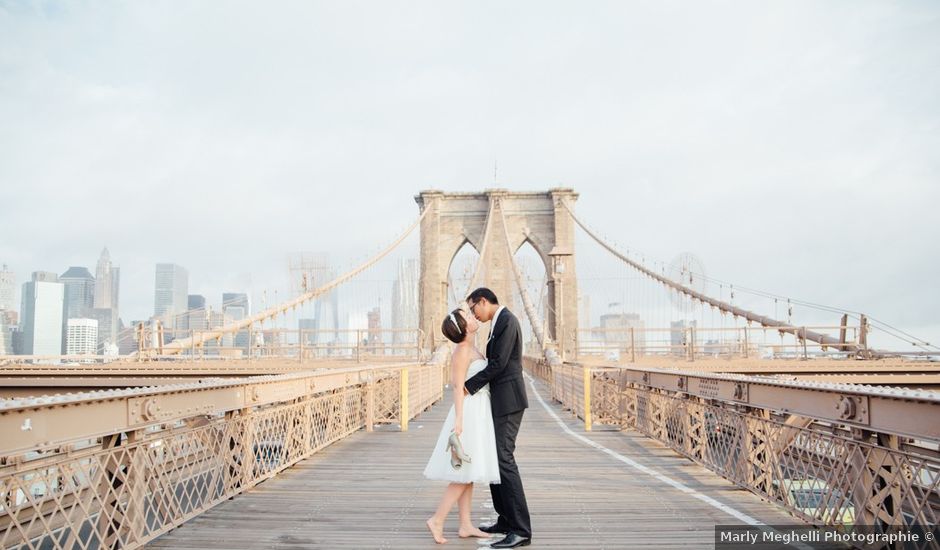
point(459, 363)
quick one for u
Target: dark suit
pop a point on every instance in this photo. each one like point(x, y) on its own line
point(508, 399)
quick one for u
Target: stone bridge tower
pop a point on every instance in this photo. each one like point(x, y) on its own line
point(540, 218)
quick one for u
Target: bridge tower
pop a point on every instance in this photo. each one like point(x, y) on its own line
point(540, 218)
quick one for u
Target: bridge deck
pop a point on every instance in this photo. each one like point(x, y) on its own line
point(368, 492)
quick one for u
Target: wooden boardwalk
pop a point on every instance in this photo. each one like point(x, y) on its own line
point(367, 491)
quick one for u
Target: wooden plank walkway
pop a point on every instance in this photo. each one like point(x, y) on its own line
point(367, 491)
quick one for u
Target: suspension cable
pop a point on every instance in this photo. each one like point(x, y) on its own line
point(178, 346)
point(763, 320)
point(534, 321)
point(477, 271)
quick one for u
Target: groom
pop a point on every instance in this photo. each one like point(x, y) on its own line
point(508, 400)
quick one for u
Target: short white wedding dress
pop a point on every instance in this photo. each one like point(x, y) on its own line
point(478, 440)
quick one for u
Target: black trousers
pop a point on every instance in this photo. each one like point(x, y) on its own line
point(508, 496)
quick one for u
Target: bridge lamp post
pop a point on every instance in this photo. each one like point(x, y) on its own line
point(558, 256)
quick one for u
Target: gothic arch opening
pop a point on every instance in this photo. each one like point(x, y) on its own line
point(462, 265)
point(532, 268)
point(451, 219)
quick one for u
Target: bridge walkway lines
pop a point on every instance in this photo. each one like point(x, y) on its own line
point(599, 489)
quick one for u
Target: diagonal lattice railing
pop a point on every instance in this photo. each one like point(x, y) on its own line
point(830, 454)
point(172, 453)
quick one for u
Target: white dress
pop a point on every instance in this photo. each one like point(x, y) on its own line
point(478, 440)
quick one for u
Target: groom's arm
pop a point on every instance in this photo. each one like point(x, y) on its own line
point(500, 350)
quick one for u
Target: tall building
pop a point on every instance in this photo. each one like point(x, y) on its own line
point(106, 282)
point(236, 307)
point(198, 320)
point(238, 313)
point(195, 308)
point(7, 289)
point(8, 316)
point(405, 300)
point(81, 336)
point(616, 330)
point(107, 323)
point(235, 299)
point(11, 317)
point(107, 285)
point(42, 308)
point(8, 331)
point(16, 334)
point(217, 320)
point(127, 339)
point(195, 301)
point(79, 291)
point(171, 290)
point(6, 337)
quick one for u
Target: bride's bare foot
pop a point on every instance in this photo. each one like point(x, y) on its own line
point(437, 531)
point(471, 531)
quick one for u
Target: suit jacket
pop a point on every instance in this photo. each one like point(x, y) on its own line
point(504, 371)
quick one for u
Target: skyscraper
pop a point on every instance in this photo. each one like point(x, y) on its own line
point(405, 300)
point(195, 301)
point(107, 325)
point(81, 336)
point(107, 284)
point(623, 330)
point(104, 281)
point(79, 292)
point(7, 313)
point(7, 288)
point(235, 299)
point(171, 292)
point(215, 320)
point(6, 336)
point(235, 307)
point(195, 308)
point(42, 308)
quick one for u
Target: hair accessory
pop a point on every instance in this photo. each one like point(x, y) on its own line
point(454, 320)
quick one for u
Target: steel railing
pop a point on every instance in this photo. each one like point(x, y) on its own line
point(118, 468)
point(634, 344)
point(831, 454)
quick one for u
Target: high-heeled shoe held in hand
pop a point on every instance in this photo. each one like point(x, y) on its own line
point(457, 454)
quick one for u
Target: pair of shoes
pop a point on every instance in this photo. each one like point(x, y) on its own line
point(512, 540)
point(492, 529)
point(457, 454)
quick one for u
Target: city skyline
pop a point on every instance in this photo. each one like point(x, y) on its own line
point(355, 315)
point(802, 164)
point(258, 255)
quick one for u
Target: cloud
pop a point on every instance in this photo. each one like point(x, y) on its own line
point(790, 145)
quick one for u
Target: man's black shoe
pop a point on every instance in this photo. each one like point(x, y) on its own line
point(512, 540)
point(491, 529)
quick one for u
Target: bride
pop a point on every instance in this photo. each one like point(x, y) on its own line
point(471, 419)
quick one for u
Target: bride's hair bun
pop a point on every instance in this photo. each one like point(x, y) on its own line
point(454, 326)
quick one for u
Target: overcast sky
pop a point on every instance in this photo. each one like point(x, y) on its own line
point(792, 146)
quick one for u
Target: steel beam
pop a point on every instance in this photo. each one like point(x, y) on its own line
point(42, 422)
point(911, 413)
